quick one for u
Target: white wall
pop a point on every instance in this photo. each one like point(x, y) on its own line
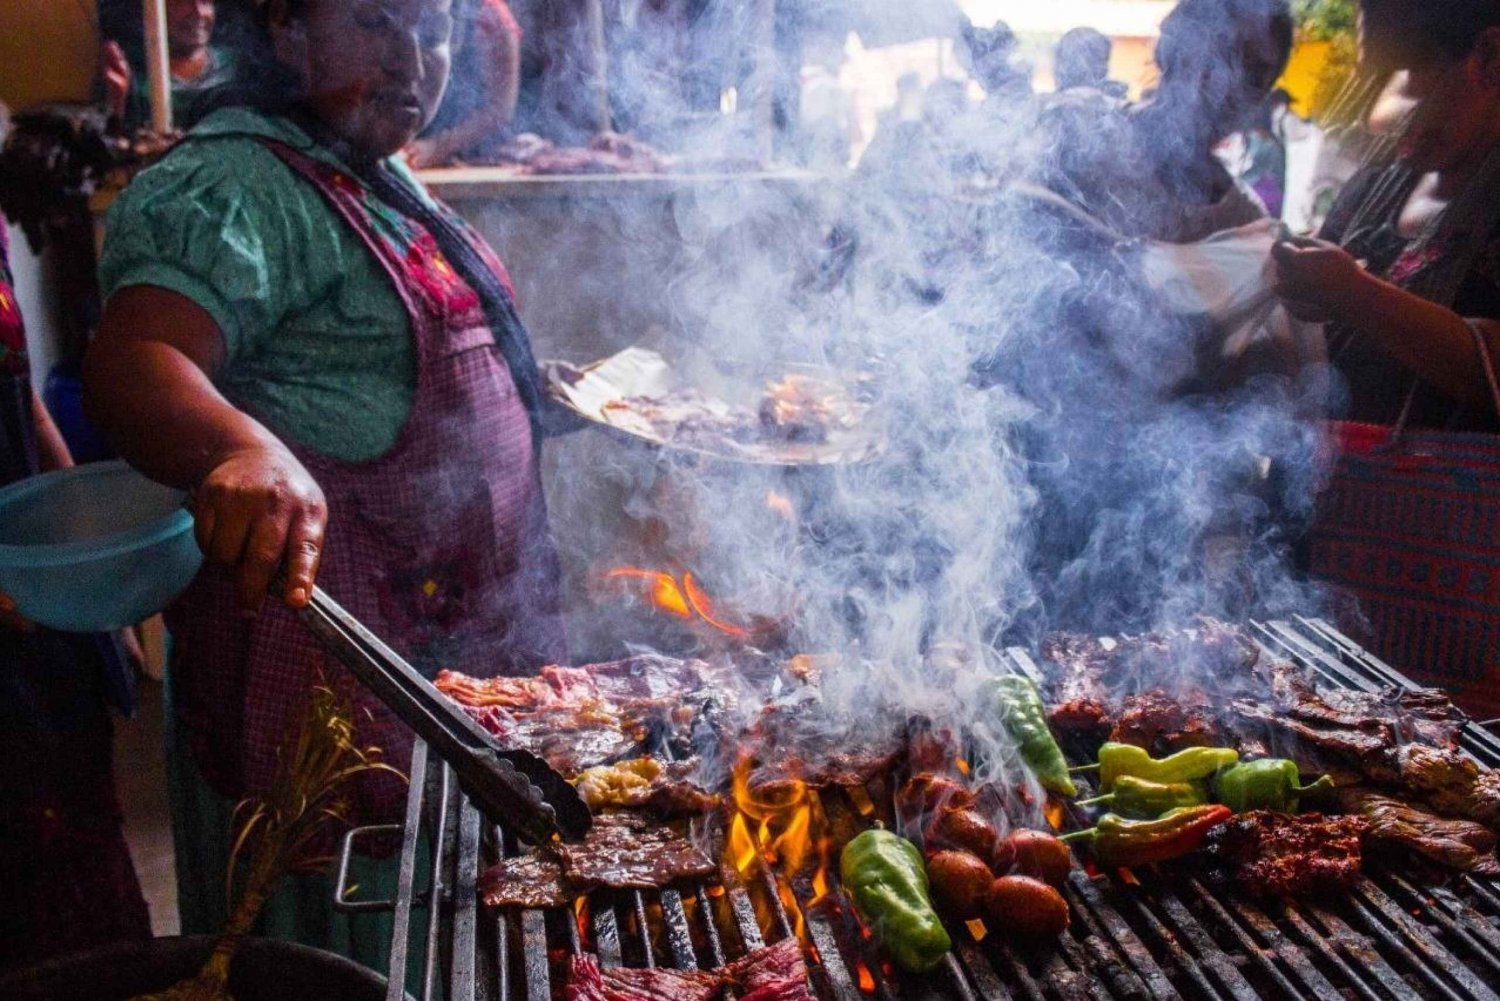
point(31, 291)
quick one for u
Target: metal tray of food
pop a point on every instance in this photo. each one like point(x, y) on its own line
point(802, 415)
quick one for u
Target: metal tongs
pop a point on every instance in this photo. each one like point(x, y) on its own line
point(513, 788)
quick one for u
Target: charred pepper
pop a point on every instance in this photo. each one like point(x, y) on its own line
point(1025, 719)
point(1121, 842)
point(884, 875)
point(1134, 797)
point(1117, 760)
point(1266, 784)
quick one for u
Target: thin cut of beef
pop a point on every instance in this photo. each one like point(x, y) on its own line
point(533, 881)
point(624, 851)
point(775, 973)
point(621, 851)
point(1401, 828)
point(1283, 855)
point(588, 981)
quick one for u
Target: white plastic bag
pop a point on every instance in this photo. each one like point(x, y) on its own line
point(1226, 281)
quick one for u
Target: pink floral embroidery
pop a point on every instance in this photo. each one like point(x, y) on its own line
point(1414, 261)
point(436, 277)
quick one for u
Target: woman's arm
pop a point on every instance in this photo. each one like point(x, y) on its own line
point(148, 382)
point(1321, 281)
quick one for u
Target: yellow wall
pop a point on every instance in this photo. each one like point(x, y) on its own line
point(1304, 72)
point(48, 50)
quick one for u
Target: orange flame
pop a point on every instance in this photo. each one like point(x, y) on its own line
point(683, 598)
point(1055, 814)
point(866, 978)
point(780, 825)
point(962, 766)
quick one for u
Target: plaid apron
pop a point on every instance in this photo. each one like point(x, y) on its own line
point(440, 545)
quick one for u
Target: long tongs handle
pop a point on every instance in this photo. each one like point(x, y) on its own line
point(503, 784)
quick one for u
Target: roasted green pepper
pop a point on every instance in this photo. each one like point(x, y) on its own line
point(1133, 797)
point(884, 875)
point(1121, 842)
point(1116, 760)
point(1266, 784)
point(1025, 718)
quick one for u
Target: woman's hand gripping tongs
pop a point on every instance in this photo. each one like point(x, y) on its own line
point(513, 788)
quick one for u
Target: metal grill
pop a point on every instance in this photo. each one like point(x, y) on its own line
point(1402, 934)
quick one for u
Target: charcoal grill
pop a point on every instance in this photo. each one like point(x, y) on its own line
point(1405, 933)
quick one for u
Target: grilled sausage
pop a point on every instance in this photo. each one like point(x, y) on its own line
point(959, 883)
point(1025, 908)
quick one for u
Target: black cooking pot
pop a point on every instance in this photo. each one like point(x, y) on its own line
point(263, 970)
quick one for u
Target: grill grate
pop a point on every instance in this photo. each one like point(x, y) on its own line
point(1411, 934)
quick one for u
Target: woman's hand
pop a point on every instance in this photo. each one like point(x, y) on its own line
point(259, 509)
point(1317, 280)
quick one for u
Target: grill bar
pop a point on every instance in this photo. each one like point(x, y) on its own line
point(1400, 936)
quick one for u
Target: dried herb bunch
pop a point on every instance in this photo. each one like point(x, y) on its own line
point(284, 830)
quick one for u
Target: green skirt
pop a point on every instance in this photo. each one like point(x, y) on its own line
point(302, 909)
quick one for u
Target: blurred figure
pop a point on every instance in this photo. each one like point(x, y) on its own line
point(829, 126)
point(1082, 63)
point(481, 100)
point(200, 70)
point(988, 55)
point(1258, 155)
point(1150, 170)
point(66, 869)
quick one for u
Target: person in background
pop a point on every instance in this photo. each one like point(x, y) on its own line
point(988, 54)
point(1081, 63)
point(828, 123)
point(1150, 170)
point(66, 869)
point(1408, 267)
point(201, 70)
point(1259, 158)
point(332, 362)
point(481, 103)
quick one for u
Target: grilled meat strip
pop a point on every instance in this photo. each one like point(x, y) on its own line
point(588, 981)
point(622, 851)
point(1399, 827)
point(534, 881)
point(775, 973)
point(1163, 723)
point(1284, 855)
point(1087, 679)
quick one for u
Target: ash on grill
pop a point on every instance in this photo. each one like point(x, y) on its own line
point(1404, 929)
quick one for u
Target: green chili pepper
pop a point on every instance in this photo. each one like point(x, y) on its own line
point(1133, 797)
point(1116, 760)
point(1025, 719)
point(885, 877)
point(1121, 842)
point(1266, 784)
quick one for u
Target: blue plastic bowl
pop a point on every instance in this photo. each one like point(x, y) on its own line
point(94, 548)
